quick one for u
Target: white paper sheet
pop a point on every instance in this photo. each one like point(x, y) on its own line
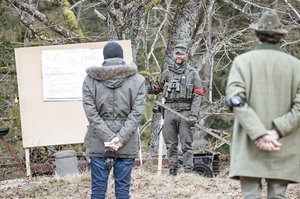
point(63, 72)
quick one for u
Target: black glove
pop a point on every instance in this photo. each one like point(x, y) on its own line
point(156, 109)
point(192, 120)
point(149, 88)
point(235, 101)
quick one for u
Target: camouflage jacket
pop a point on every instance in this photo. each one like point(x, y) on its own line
point(181, 88)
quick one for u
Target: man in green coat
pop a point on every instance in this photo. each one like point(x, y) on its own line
point(114, 99)
point(182, 89)
point(263, 89)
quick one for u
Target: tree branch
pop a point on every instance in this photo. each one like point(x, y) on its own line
point(42, 18)
point(294, 10)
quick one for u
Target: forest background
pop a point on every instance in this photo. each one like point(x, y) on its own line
point(215, 30)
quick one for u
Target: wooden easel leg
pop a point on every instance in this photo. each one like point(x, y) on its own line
point(140, 148)
point(160, 144)
point(27, 159)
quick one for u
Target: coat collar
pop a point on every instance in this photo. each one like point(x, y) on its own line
point(114, 68)
point(266, 46)
point(178, 70)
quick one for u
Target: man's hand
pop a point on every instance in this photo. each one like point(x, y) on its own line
point(116, 144)
point(192, 120)
point(268, 142)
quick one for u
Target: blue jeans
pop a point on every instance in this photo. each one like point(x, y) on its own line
point(122, 174)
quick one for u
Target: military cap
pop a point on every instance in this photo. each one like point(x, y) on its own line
point(181, 47)
point(270, 23)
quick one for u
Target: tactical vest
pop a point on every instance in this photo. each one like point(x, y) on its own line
point(179, 88)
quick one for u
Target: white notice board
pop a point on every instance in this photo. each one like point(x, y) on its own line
point(49, 82)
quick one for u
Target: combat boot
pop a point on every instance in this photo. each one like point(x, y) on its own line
point(173, 172)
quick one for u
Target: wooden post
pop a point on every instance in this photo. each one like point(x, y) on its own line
point(140, 148)
point(27, 159)
point(160, 144)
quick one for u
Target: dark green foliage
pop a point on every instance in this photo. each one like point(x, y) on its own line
point(220, 122)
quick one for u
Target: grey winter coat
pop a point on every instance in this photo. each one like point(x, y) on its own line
point(114, 99)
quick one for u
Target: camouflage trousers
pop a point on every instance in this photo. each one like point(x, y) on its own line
point(174, 130)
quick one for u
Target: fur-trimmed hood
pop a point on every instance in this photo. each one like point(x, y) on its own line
point(113, 72)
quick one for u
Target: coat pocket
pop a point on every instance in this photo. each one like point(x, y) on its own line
point(189, 93)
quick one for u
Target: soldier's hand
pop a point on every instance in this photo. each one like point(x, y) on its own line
point(192, 120)
point(148, 88)
point(156, 109)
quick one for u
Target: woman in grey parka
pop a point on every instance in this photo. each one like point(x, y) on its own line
point(114, 99)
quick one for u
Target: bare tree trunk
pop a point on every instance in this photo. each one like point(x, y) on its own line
point(154, 138)
point(185, 24)
point(155, 130)
point(127, 21)
point(209, 66)
point(28, 34)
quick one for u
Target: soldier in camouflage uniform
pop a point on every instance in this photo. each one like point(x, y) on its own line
point(181, 87)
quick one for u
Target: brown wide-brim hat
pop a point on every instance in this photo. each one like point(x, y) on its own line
point(270, 23)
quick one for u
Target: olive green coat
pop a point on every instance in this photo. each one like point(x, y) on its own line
point(114, 99)
point(270, 80)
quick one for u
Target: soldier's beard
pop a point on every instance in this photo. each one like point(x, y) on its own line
point(179, 62)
